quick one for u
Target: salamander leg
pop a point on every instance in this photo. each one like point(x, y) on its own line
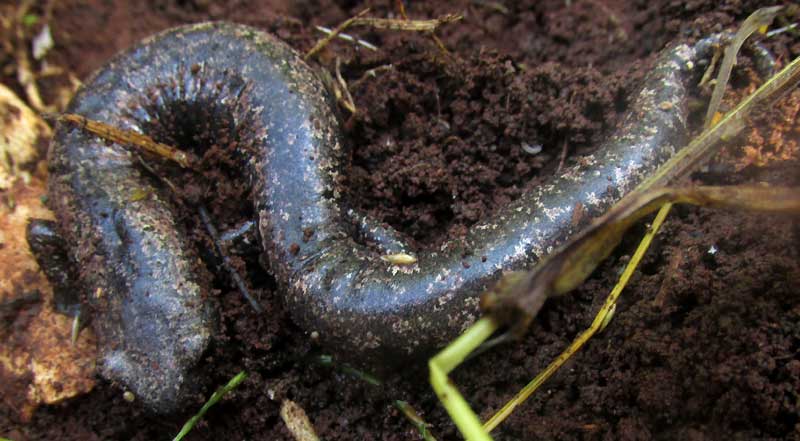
point(50, 251)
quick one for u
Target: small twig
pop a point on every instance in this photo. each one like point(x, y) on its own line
point(348, 37)
point(401, 9)
point(389, 24)
point(336, 31)
point(163, 179)
point(128, 137)
point(372, 73)
point(347, 99)
point(406, 25)
point(440, 44)
point(429, 26)
point(710, 69)
point(226, 260)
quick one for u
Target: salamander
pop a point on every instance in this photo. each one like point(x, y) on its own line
point(141, 274)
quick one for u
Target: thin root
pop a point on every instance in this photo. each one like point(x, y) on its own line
point(226, 260)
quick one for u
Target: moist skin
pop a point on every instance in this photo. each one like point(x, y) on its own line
point(141, 274)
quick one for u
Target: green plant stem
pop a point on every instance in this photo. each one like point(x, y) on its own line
point(444, 362)
point(600, 321)
point(215, 397)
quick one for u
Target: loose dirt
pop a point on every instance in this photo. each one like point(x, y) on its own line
point(705, 343)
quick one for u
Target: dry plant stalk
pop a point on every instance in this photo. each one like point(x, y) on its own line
point(703, 146)
point(335, 32)
point(761, 18)
point(372, 73)
point(128, 137)
point(346, 98)
point(401, 9)
point(297, 421)
point(388, 24)
point(348, 37)
point(518, 302)
point(406, 25)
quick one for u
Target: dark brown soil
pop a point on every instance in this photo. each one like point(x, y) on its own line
point(705, 343)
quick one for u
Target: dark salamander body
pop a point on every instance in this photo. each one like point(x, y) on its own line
point(142, 276)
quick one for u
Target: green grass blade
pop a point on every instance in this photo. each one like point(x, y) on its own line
point(215, 397)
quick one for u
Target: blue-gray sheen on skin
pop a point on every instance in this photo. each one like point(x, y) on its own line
point(141, 273)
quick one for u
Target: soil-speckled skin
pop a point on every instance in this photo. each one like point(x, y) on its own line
point(49, 248)
point(141, 273)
